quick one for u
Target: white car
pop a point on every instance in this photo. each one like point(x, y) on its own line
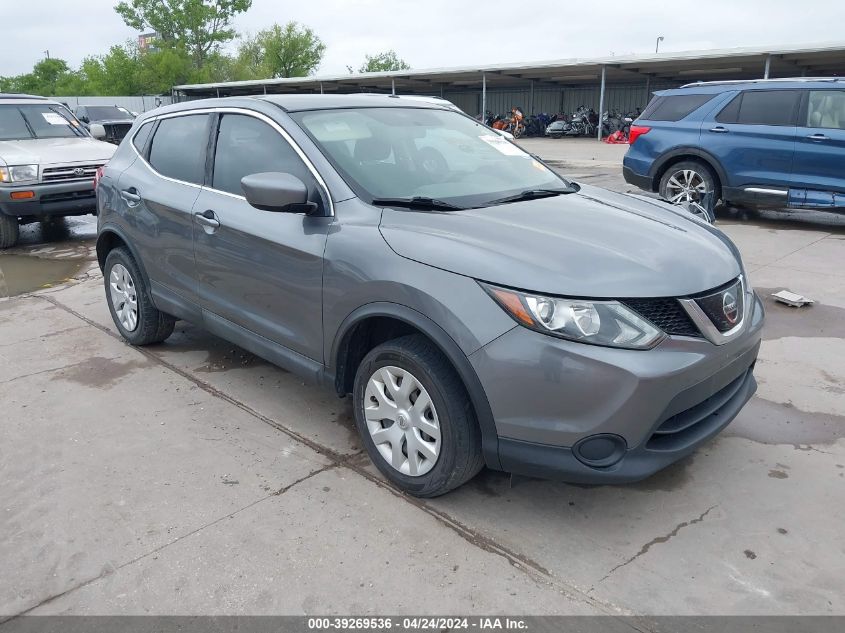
point(48, 162)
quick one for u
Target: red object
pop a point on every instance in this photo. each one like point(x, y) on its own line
point(636, 132)
point(98, 175)
point(617, 138)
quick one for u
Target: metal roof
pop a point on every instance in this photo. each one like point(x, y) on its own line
point(732, 63)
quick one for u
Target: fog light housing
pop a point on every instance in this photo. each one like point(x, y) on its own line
point(600, 451)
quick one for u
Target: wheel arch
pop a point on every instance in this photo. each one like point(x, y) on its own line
point(111, 237)
point(352, 342)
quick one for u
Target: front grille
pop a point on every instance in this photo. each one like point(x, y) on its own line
point(665, 313)
point(724, 306)
point(70, 172)
point(689, 426)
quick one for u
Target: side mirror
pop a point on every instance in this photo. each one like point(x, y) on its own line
point(97, 130)
point(277, 191)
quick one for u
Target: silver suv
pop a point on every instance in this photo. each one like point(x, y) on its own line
point(479, 308)
point(48, 162)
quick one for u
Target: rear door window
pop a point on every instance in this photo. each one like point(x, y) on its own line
point(762, 107)
point(179, 147)
point(674, 107)
point(826, 109)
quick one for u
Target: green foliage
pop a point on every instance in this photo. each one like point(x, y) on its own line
point(292, 50)
point(388, 60)
point(187, 51)
point(197, 26)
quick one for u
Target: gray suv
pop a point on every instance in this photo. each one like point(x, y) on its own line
point(480, 309)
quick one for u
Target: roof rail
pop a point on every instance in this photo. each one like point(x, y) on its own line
point(17, 95)
point(758, 81)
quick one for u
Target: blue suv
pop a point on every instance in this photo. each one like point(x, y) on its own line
point(777, 143)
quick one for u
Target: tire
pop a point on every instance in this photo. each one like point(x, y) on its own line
point(124, 283)
point(457, 451)
point(701, 176)
point(9, 231)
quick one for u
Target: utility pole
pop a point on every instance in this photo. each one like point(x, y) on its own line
point(47, 53)
point(657, 43)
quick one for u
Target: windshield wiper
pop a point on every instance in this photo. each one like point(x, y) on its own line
point(417, 202)
point(532, 194)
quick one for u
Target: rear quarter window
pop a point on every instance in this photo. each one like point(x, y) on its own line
point(674, 107)
point(762, 107)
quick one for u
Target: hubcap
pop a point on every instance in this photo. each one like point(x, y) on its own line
point(124, 299)
point(685, 185)
point(402, 421)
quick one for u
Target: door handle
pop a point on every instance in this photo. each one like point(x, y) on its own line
point(131, 196)
point(719, 129)
point(208, 218)
point(818, 137)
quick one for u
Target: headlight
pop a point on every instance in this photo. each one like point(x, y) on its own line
point(607, 323)
point(19, 173)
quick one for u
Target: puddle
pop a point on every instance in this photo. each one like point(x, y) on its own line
point(20, 274)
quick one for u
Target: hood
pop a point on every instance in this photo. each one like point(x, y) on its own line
point(591, 244)
point(55, 151)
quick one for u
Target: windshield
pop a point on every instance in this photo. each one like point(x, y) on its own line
point(26, 121)
point(104, 113)
point(415, 152)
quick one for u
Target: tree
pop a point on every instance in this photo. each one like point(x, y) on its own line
point(198, 26)
point(290, 51)
point(388, 60)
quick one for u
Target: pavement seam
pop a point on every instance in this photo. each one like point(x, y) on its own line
point(658, 540)
point(522, 563)
point(471, 536)
point(113, 570)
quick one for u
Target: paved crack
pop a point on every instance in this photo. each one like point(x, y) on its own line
point(108, 572)
point(657, 541)
point(52, 369)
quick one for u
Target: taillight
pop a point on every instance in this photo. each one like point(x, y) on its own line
point(98, 175)
point(636, 132)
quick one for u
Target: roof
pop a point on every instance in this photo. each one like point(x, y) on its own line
point(22, 97)
point(736, 63)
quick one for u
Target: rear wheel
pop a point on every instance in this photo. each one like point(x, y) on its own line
point(688, 181)
point(415, 417)
point(128, 297)
point(9, 231)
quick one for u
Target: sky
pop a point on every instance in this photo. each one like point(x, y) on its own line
point(437, 33)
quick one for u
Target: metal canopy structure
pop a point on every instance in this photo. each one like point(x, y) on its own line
point(620, 82)
point(684, 67)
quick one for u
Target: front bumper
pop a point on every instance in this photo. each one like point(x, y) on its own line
point(550, 396)
point(69, 198)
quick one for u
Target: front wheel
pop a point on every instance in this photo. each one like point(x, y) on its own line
point(688, 181)
point(415, 418)
point(132, 310)
point(9, 231)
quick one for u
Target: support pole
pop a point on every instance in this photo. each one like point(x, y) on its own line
point(601, 100)
point(321, 87)
point(647, 86)
point(531, 100)
point(393, 86)
point(483, 97)
point(766, 69)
